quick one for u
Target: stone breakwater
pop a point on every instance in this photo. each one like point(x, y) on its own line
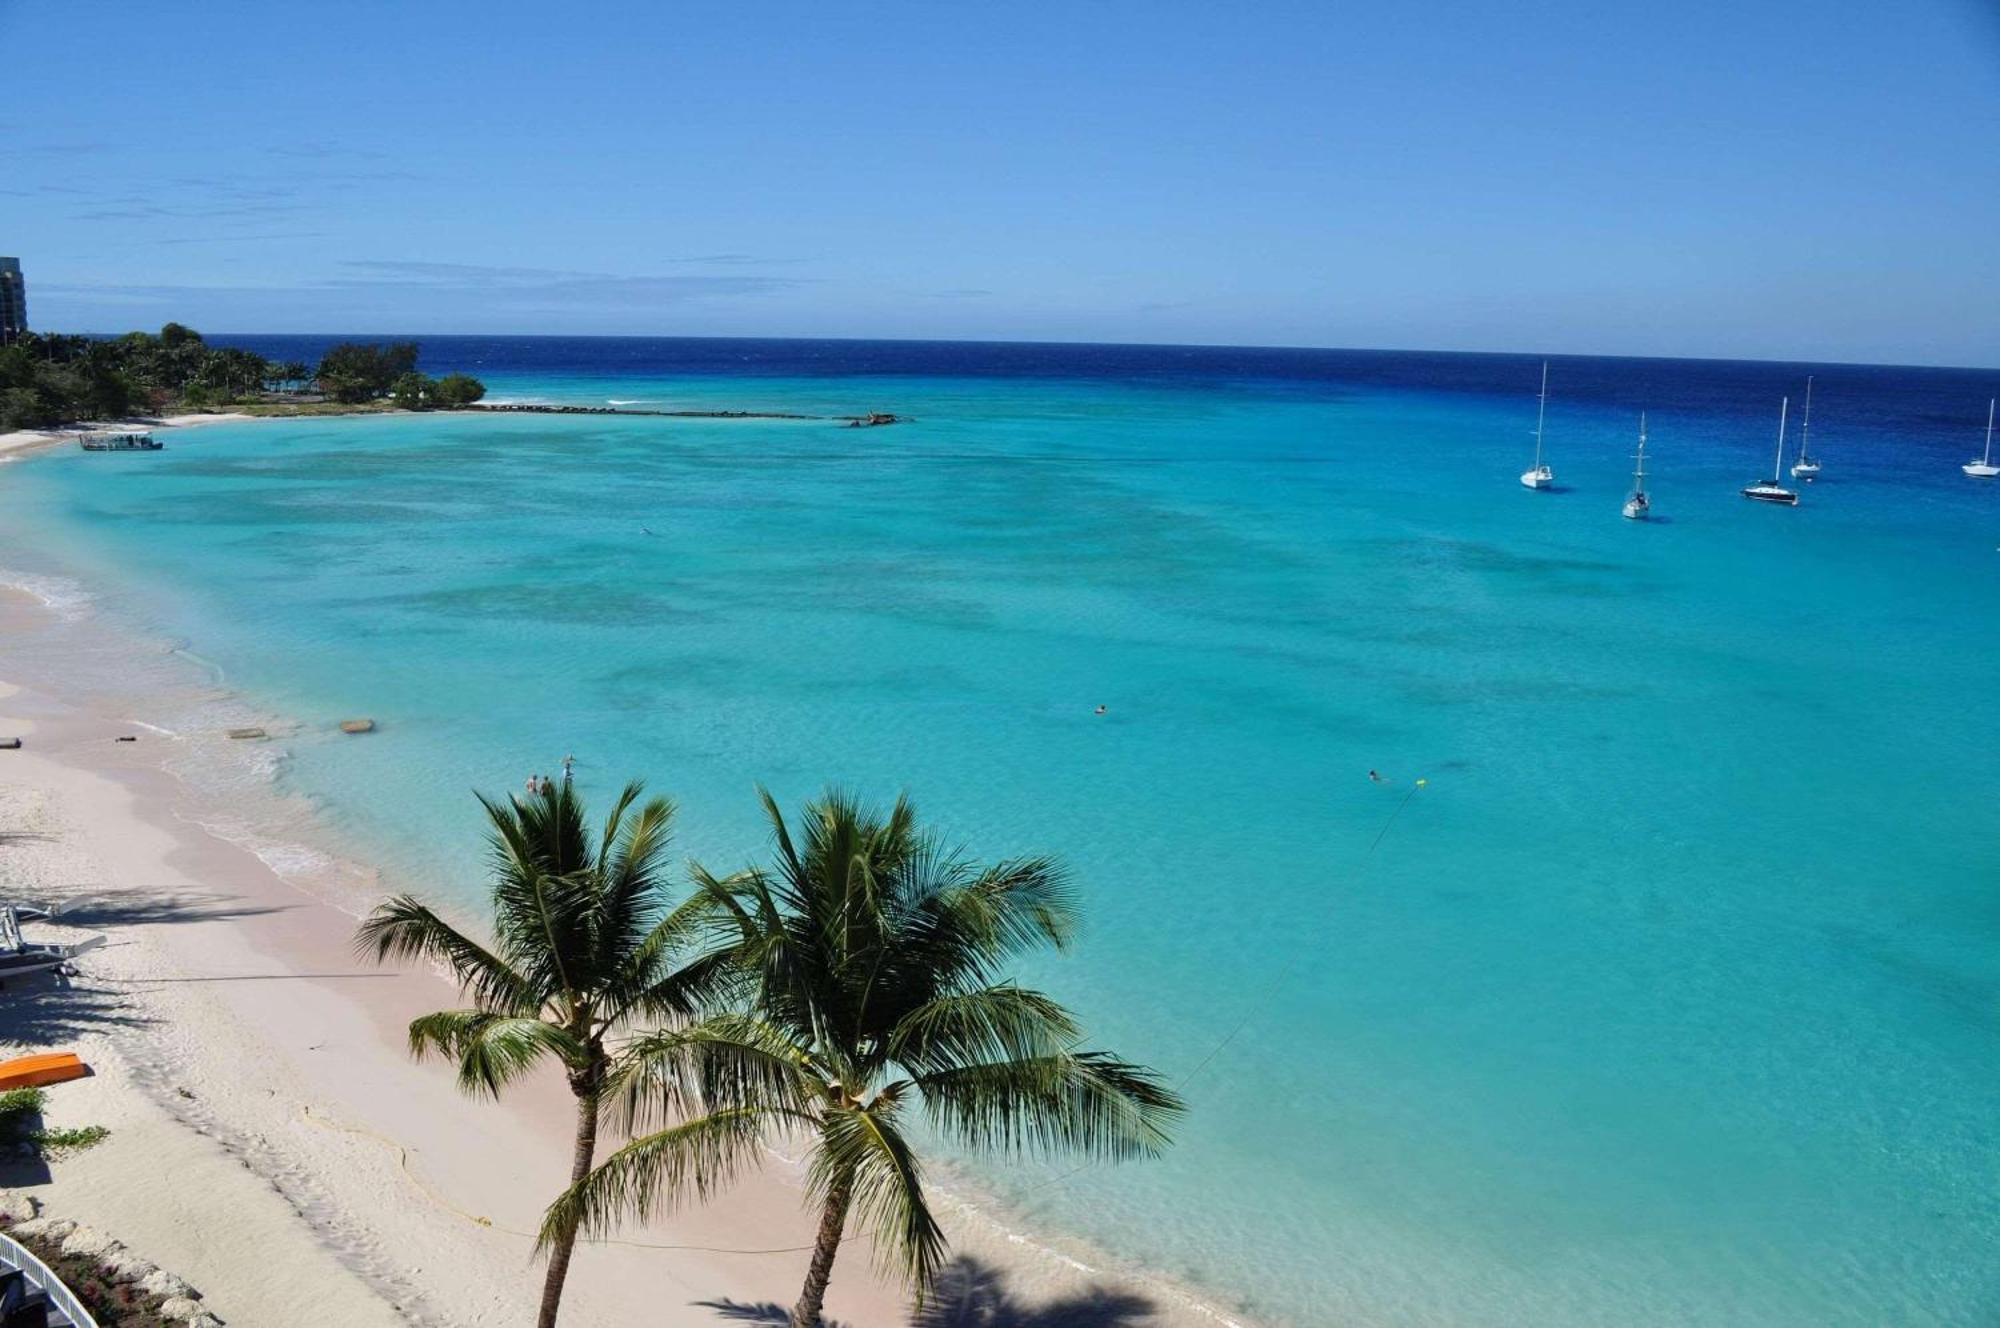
point(65, 1245)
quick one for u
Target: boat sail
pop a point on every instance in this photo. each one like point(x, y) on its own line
point(1805, 467)
point(1770, 491)
point(1539, 476)
point(1984, 468)
point(1639, 506)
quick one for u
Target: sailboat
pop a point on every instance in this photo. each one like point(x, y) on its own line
point(1770, 491)
point(1984, 468)
point(1638, 506)
point(1539, 476)
point(1805, 467)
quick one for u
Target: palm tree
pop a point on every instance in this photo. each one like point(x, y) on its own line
point(583, 941)
point(876, 960)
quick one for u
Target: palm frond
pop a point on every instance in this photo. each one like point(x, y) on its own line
point(401, 928)
point(725, 1060)
point(492, 1050)
point(865, 1147)
point(657, 1171)
point(1088, 1102)
point(987, 1024)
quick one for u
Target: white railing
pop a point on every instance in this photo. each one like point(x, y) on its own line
point(16, 1255)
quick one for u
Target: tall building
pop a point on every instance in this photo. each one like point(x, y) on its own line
point(13, 300)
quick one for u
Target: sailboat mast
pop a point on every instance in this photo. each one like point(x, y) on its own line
point(1778, 463)
point(1989, 432)
point(1541, 413)
point(1805, 424)
point(1639, 474)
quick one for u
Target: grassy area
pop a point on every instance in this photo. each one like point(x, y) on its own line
point(290, 408)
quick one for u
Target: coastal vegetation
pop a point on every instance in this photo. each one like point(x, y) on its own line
point(21, 1126)
point(584, 942)
point(826, 1001)
point(874, 960)
point(50, 379)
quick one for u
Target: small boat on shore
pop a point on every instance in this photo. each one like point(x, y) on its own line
point(1805, 467)
point(120, 440)
point(1984, 469)
point(1539, 476)
point(1771, 491)
point(1639, 506)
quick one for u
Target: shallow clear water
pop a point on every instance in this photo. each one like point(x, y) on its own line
point(1671, 997)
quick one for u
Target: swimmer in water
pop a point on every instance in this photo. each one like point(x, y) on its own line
point(1100, 710)
point(1374, 777)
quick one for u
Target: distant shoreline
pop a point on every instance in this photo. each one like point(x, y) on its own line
point(24, 440)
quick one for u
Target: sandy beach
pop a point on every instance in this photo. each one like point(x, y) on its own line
point(26, 440)
point(273, 1144)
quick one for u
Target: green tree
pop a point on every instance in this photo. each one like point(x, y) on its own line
point(358, 371)
point(288, 376)
point(457, 389)
point(412, 391)
point(876, 958)
point(176, 335)
point(584, 940)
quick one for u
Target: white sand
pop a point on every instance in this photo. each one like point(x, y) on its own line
point(22, 440)
point(272, 1142)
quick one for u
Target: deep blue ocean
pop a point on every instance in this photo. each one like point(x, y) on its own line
point(1671, 998)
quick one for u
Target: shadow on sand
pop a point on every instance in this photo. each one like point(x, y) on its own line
point(49, 1010)
point(971, 1293)
point(108, 910)
point(40, 1010)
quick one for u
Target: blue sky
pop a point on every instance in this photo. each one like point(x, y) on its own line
point(1762, 178)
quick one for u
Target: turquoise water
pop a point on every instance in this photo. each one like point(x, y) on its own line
point(1672, 998)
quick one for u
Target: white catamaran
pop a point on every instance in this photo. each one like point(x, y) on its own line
point(1770, 491)
point(1805, 467)
point(1984, 468)
point(1539, 476)
point(1639, 506)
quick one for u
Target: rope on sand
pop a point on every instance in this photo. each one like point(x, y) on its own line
point(403, 1161)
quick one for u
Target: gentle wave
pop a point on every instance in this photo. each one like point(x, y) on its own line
point(68, 599)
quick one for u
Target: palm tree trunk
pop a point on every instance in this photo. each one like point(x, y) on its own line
point(565, 1243)
point(832, 1222)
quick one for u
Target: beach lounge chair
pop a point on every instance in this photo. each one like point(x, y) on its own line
point(19, 957)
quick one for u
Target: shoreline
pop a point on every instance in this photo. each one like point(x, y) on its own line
point(23, 441)
point(330, 1042)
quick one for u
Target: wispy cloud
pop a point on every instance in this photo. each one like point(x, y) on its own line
point(958, 293)
point(161, 212)
point(384, 292)
point(735, 260)
point(323, 150)
point(63, 147)
point(555, 287)
point(239, 238)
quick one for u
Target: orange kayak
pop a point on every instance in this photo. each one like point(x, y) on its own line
point(35, 1071)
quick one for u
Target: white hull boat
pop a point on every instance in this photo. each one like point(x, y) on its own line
point(1539, 476)
point(1805, 468)
point(1771, 491)
point(1984, 469)
point(1638, 506)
